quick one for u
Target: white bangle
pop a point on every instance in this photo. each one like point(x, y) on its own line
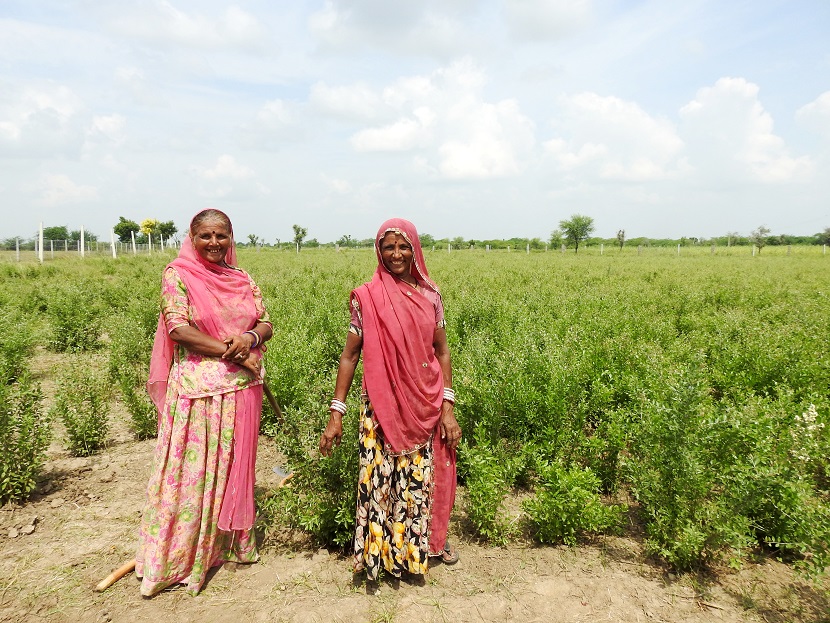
point(449, 394)
point(338, 405)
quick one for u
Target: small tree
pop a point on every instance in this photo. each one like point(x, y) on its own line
point(56, 233)
point(759, 237)
point(253, 240)
point(299, 235)
point(621, 238)
point(125, 229)
point(824, 237)
point(556, 238)
point(577, 229)
point(167, 229)
point(150, 226)
point(344, 241)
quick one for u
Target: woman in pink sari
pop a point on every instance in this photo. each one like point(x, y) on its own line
point(206, 380)
point(408, 432)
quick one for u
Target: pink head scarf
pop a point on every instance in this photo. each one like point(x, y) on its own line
point(402, 375)
point(223, 305)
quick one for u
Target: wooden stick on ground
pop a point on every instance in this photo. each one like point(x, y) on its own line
point(116, 575)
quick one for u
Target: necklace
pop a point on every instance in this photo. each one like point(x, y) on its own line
point(411, 285)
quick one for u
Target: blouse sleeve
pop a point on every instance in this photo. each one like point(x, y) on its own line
point(356, 322)
point(175, 306)
point(440, 320)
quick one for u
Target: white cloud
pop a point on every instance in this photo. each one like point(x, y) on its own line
point(609, 138)
point(354, 102)
point(160, 21)
point(431, 27)
point(38, 120)
point(226, 167)
point(729, 134)
point(546, 19)
point(816, 114)
point(444, 115)
point(59, 190)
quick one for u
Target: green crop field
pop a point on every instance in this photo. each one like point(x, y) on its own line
point(689, 390)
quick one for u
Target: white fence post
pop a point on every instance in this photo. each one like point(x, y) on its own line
point(149, 244)
point(82, 243)
point(601, 247)
point(40, 242)
point(112, 242)
point(17, 247)
point(678, 249)
point(132, 235)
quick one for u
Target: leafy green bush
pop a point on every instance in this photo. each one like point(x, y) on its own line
point(489, 474)
point(24, 438)
point(567, 504)
point(15, 346)
point(82, 405)
point(75, 318)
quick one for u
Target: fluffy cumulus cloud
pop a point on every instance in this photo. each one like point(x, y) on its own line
point(612, 139)
point(456, 132)
point(816, 115)
point(729, 134)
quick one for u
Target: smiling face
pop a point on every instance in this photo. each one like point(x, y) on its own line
point(211, 239)
point(397, 255)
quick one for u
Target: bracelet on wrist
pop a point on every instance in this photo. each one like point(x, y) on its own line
point(338, 405)
point(449, 394)
point(255, 335)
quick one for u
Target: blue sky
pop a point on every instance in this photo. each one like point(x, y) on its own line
point(471, 118)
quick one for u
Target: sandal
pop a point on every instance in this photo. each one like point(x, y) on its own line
point(449, 555)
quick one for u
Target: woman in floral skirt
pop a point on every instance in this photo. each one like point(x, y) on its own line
point(206, 380)
point(408, 432)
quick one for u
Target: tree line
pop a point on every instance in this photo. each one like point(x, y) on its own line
point(571, 233)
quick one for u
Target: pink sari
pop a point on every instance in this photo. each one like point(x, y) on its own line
point(224, 306)
point(402, 376)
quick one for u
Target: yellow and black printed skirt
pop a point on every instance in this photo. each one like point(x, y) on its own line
point(394, 494)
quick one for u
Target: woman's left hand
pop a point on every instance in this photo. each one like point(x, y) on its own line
point(252, 362)
point(450, 430)
point(238, 348)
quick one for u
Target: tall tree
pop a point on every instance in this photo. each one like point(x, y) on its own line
point(125, 228)
point(299, 235)
point(577, 228)
point(758, 237)
point(621, 238)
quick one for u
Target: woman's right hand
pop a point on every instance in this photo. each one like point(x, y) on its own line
point(333, 433)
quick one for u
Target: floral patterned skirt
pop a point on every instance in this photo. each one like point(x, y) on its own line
point(394, 494)
point(179, 540)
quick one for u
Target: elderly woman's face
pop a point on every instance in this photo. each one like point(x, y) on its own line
point(397, 254)
point(212, 239)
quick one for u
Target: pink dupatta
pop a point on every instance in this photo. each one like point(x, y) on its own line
point(402, 375)
point(223, 306)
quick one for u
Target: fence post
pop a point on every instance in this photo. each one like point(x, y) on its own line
point(563, 247)
point(753, 250)
point(132, 236)
point(17, 247)
point(601, 247)
point(639, 249)
point(82, 244)
point(112, 242)
point(678, 249)
point(52, 249)
point(149, 244)
point(713, 250)
point(40, 242)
